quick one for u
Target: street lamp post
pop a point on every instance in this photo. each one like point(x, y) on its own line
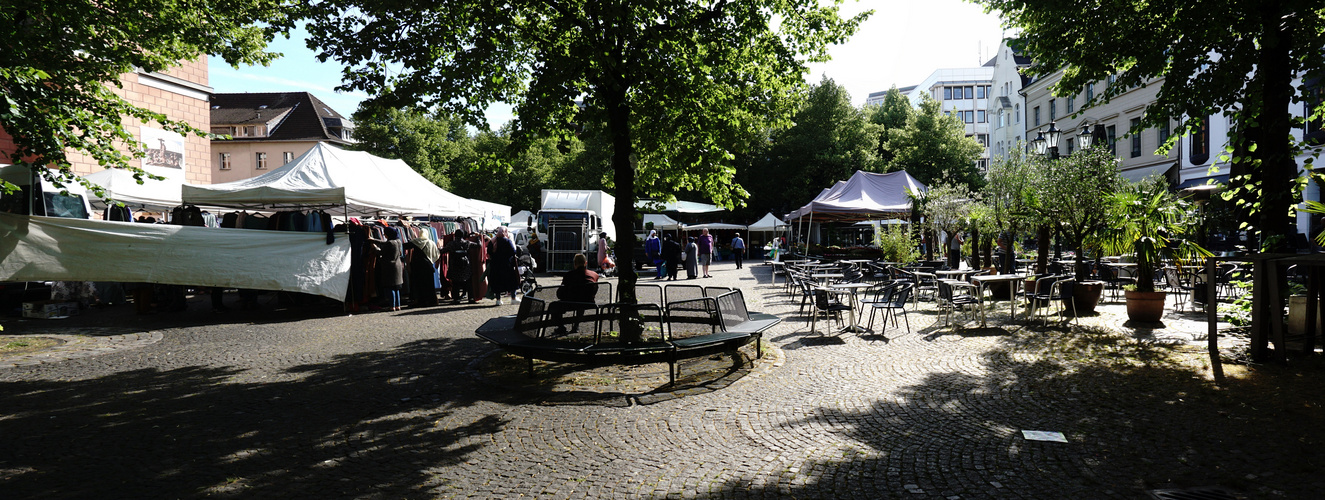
point(1046, 145)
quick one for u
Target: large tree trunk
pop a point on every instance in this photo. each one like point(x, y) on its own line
point(623, 176)
point(1278, 167)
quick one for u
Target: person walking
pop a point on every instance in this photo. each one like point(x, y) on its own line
point(653, 247)
point(955, 251)
point(738, 250)
point(671, 253)
point(705, 243)
point(691, 258)
point(502, 275)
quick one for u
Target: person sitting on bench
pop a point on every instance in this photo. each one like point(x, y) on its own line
point(577, 289)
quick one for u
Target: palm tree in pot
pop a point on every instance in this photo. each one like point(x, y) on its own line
point(1150, 222)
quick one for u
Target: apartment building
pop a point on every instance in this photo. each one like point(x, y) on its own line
point(1006, 118)
point(254, 133)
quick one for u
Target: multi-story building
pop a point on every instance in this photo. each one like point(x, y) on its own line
point(876, 98)
point(964, 93)
point(181, 93)
point(1068, 113)
point(1006, 123)
point(268, 130)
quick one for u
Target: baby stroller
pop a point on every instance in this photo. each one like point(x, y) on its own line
point(524, 265)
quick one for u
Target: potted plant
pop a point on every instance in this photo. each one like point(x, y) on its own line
point(1149, 223)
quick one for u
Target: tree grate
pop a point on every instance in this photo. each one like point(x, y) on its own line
point(1196, 493)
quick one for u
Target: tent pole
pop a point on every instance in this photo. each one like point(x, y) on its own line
point(807, 236)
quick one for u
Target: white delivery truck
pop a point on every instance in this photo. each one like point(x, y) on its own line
point(570, 221)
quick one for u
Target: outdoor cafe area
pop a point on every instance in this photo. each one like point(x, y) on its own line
point(867, 296)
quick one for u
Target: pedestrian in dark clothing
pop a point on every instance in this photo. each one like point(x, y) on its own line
point(671, 253)
point(502, 276)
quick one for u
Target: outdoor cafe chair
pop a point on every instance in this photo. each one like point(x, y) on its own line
point(826, 303)
point(956, 295)
point(892, 305)
point(1179, 288)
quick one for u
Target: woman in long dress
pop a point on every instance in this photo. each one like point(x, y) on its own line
point(692, 259)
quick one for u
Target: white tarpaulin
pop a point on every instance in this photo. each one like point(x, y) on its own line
point(367, 185)
point(63, 249)
point(712, 226)
point(120, 185)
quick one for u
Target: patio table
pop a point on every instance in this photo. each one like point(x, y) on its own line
point(853, 289)
point(1013, 281)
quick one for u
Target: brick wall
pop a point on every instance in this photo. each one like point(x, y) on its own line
point(197, 112)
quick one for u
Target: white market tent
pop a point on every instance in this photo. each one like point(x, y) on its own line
point(493, 215)
point(521, 219)
point(713, 226)
point(120, 186)
point(769, 223)
point(685, 207)
point(865, 196)
point(327, 176)
point(662, 222)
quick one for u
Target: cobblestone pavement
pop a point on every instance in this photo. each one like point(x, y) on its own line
point(312, 403)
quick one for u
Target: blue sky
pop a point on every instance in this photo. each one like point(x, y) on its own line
point(901, 44)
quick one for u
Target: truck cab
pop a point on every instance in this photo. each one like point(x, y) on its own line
point(569, 222)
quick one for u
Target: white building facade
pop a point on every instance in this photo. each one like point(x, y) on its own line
point(1007, 126)
point(964, 93)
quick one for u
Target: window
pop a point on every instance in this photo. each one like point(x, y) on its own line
point(1311, 97)
point(1090, 92)
point(947, 93)
point(1201, 143)
point(969, 116)
point(225, 161)
point(1071, 145)
point(261, 161)
point(980, 116)
point(248, 131)
point(1017, 107)
point(1037, 116)
point(1112, 79)
point(287, 157)
point(1053, 109)
point(983, 139)
point(1002, 120)
point(982, 164)
point(1163, 135)
point(1136, 137)
point(1071, 104)
point(980, 92)
point(1112, 133)
point(970, 92)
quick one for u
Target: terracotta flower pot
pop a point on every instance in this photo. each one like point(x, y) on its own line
point(1145, 306)
point(1086, 295)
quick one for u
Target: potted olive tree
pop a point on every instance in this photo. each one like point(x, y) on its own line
point(1149, 222)
point(1076, 192)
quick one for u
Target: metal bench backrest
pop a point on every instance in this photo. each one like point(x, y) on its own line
point(547, 293)
point(677, 293)
point(649, 294)
point(715, 291)
point(699, 316)
point(603, 295)
point(651, 319)
point(530, 319)
point(731, 306)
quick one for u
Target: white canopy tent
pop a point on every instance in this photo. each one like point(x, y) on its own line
point(120, 186)
point(865, 196)
point(712, 226)
point(662, 222)
point(521, 219)
point(327, 176)
point(769, 223)
point(685, 207)
point(494, 215)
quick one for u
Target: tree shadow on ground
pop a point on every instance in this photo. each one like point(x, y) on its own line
point(327, 430)
point(1137, 416)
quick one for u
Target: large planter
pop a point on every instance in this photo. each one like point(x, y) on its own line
point(1145, 306)
point(1297, 315)
point(1086, 295)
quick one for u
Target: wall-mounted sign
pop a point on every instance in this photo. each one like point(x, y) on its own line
point(164, 149)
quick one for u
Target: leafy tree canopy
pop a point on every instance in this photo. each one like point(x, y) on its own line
point(432, 144)
point(934, 147)
point(1212, 56)
point(829, 141)
point(58, 57)
point(893, 114)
